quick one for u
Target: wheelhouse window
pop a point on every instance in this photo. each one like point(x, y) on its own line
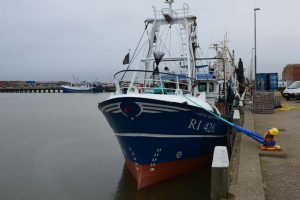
point(202, 87)
point(211, 87)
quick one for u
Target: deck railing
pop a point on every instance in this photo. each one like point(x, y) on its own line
point(151, 82)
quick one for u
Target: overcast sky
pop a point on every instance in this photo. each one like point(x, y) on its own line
point(58, 39)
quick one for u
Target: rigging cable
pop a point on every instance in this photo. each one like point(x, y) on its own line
point(131, 60)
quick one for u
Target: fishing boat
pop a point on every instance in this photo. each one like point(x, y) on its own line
point(83, 87)
point(220, 82)
point(163, 127)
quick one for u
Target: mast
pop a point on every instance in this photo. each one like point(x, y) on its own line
point(185, 25)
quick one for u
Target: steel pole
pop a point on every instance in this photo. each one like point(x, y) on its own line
point(255, 57)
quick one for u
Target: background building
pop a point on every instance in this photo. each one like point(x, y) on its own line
point(291, 73)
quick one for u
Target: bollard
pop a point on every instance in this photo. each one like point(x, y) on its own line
point(241, 107)
point(220, 173)
point(240, 103)
point(237, 120)
point(236, 117)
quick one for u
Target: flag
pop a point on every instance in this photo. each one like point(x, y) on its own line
point(126, 59)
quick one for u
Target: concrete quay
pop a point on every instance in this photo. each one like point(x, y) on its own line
point(256, 174)
point(31, 89)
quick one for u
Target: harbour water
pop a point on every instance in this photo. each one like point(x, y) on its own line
point(59, 146)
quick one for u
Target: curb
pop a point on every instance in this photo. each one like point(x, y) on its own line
point(245, 168)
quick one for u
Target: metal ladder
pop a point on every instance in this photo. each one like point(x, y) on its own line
point(184, 41)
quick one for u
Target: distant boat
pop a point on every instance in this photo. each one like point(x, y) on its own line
point(164, 129)
point(98, 88)
point(83, 87)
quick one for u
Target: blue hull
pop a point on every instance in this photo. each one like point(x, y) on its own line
point(149, 151)
point(67, 90)
point(145, 127)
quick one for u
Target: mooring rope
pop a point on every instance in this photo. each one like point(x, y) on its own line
point(249, 133)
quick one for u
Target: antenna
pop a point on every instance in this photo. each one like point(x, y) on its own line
point(170, 2)
point(215, 46)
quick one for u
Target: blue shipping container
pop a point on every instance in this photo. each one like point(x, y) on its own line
point(261, 82)
point(272, 81)
point(266, 81)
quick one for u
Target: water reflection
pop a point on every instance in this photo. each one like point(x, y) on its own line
point(194, 185)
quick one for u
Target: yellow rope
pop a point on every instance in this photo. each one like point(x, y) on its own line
point(284, 105)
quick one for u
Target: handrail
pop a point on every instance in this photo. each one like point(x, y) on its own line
point(176, 83)
point(138, 70)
